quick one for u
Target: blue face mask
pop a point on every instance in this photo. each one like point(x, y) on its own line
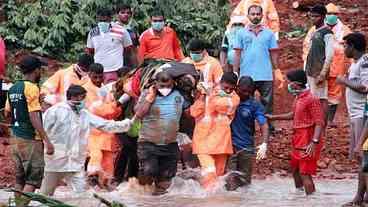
point(77, 105)
point(158, 26)
point(236, 28)
point(196, 57)
point(104, 27)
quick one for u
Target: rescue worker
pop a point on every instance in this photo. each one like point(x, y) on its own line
point(68, 124)
point(270, 17)
point(213, 113)
point(102, 146)
point(77, 74)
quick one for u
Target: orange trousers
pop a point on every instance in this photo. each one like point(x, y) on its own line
point(212, 167)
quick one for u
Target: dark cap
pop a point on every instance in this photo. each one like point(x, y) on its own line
point(319, 9)
point(30, 63)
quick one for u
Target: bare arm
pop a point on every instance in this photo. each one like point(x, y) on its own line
point(275, 58)
point(353, 84)
point(236, 67)
point(286, 116)
point(35, 118)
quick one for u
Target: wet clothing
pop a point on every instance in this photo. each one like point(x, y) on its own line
point(161, 124)
point(29, 161)
point(307, 114)
point(127, 159)
point(101, 145)
point(56, 86)
point(163, 46)
point(270, 16)
point(255, 60)
point(76, 180)
point(109, 47)
point(158, 161)
point(243, 124)
point(242, 162)
point(23, 98)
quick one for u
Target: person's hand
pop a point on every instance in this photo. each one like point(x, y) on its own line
point(262, 150)
point(340, 79)
point(128, 122)
point(151, 95)
point(49, 148)
point(310, 149)
point(203, 88)
point(320, 79)
point(280, 79)
point(269, 116)
point(358, 152)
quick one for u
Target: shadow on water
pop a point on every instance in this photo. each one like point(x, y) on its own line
point(186, 191)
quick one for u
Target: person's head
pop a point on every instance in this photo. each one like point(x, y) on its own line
point(104, 15)
point(75, 96)
point(164, 83)
point(96, 74)
point(332, 15)
point(297, 81)
point(317, 15)
point(255, 14)
point(354, 43)
point(157, 20)
point(237, 21)
point(84, 61)
point(228, 82)
point(196, 48)
point(246, 88)
point(332, 9)
point(30, 66)
point(124, 13)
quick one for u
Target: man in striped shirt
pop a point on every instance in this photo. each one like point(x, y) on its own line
point(108, 42)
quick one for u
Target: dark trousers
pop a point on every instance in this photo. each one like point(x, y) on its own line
point(265, 88)
point(127, 158)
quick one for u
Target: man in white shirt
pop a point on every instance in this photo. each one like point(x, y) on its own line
point(108, 42)
point(67, 125)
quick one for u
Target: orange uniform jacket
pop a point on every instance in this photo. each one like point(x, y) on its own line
point(212, 133)
point(57, 85)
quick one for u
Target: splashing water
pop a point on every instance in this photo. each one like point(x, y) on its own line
point(186, 191)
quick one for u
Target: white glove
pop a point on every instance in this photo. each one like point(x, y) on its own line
point(261, 153)
point(124, 98)
point(127, 123)
point(103, 91)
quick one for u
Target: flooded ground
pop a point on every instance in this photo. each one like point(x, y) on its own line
point(273, 191)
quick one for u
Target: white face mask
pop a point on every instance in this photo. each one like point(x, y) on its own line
point(165, 91)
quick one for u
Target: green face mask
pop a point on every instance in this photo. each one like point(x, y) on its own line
point(77, 106)
point(196, 57)
point(293, 91)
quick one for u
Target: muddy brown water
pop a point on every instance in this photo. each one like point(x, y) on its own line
point(273, 191)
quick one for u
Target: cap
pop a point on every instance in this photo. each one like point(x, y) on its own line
point(30, 63)
point(332, 8)
point(331, 20)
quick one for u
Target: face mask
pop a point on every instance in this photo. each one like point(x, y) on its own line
point(223, 93)
point(331, 20)
point(104, 27)
point(236, 28)
point(165, 91)
point(196, 57)
point(292, 90)
point(158, 26)
point(77, 106)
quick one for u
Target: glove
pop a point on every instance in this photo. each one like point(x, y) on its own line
point(127, 123)
point(103, 91)
point(124, 98)
point(261, 153)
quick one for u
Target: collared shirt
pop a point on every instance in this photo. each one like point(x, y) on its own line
point(161, 124)
point(307, 111)
point(163, 46)
point(68, 132)
point(109, 47)
point(255, 60)
point(243, 124)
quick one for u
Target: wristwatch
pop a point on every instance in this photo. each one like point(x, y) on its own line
point(315, 141)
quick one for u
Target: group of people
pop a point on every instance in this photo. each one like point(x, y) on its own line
point(73, 115)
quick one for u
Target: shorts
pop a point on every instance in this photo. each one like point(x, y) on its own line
point(306, 165)
point(158, 161)
point(356, 128)
point(110, 77)
point(29, 161)
point(76, 180)
point(319, 91)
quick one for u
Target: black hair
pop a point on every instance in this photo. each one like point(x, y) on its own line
point(156, 12)
point(104, 12)
point(163, 76)
point(122, 7)
point(247, 81)
point(96, 68)
point(255, 6)
point(196, 45)
point(85, 60)
point(319, 9)
point(297, 76)
point(75, 90)
point(357, 40)
point(229, 77)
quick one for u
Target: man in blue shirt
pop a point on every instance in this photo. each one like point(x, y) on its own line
point(243, 130)
point(256, 53)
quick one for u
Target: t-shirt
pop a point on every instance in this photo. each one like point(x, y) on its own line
point(23, 98)
point(355, 101)
point(243, 124)
point(228, 45)
point(109, 47)
point(255, 60)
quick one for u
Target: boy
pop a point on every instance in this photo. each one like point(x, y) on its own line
point(308, 123)
point(212, 134)
point(242, 131)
